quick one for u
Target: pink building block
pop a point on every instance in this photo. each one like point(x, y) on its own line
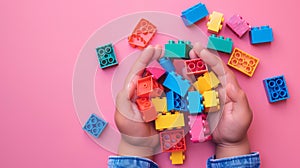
point(199, 128)
point(238, 25)
point(157, 72)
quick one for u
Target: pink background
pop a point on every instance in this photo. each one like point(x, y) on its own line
point(40, 42)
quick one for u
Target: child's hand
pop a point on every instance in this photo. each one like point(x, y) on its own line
point(138, 138)
point(230, 135)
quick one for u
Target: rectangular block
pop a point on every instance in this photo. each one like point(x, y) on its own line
point(243, 62)
point(195, 105)
point(211, 101)
point(177, 157)
point(169, 121)
point(172, 141)
point(199, 128)
point(142, 34)
point(276, 88)
point(156, 72)
point(146, 109)
point(160, 104)
point(179, 50)
point(106, 56)
point(94, 125)
point(167, 64)
point(220, 44)
point(175, 102)
point(214, 24)
point(177, 83)
point(194, 14)
point(263, 34)
point(148, 87)
point(238, 25)
point(195, 67)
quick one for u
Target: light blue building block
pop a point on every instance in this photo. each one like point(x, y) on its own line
point(263, 34)
point(220, 44)
point(176, 102)
point(177, 83)
point(106, 56)
point(95, 125)
point(276, 89)
point(194, 14)
point(195, 105)
point(167, 64)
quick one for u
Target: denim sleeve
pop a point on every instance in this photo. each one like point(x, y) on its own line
point(130, 162)
point(244, 161)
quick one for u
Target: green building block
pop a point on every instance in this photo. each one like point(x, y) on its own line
point(220, 44)
point(178, 50)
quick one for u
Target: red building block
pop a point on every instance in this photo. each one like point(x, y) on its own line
point(172, 141)
point(147, 109)
point(148, 87)
point(142, 34)
point(195, 66)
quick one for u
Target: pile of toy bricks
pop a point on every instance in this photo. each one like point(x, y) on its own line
point(166, 97)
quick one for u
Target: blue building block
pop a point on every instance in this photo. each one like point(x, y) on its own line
point(276, 89)
point(220, 44)
point(176, 102)
point(106, 56)
point(195, 105)
point(95, 125)
point(177, 83)
point(178, 50)
point(261, 34)
point(194, 14)
point(167, 64)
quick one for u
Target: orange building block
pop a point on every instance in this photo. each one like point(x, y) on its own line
point(207, 82)
point(211, 101)
point(146, 109)
point(243, 62)
point(142, 34)
point(148, 87)
point(177, 157)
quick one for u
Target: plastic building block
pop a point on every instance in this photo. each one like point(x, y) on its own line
point(160, 104)
point(178, 50)
point(215, 22)
point(276, 89)
point(206, 82)
point(142, 34)
point(177, 83)
point(211, 101)
point(194, 14)
point(220, 44)
point(263, 34)
point(195, 66)
point(238, 25)
point(177, 157)
point(199, 128)
point(148, 87)
point(243, 62)
point(169, 121)
point(156, 72)
point(167, 64)
point(176, 102)
point(95, 125)
point(173, 140)
point(106, 56)
point(146, 108)
point(195, 105)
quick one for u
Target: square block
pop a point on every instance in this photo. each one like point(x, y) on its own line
point(238, 25)
point(175, 102)
point(160, 104)
point(146, 109)
point(94, 125)
point(207, 82)
point(194, 14)
point(195, 66)
point(172, 141)
point(106, 56)
point(263, 34)
point(177, 157)
point(214, 24)
point(148, 87)
point(142, 34)
point(211, 101)
point(179, 50)
point(220, 44)
point(243, 62)
point(276, 89)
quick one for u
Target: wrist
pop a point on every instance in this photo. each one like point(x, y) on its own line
point(127, 149)
point(224, 150)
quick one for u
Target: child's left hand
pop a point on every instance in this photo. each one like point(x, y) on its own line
point(138, 138)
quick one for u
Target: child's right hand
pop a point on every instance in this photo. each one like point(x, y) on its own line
point(230, 136)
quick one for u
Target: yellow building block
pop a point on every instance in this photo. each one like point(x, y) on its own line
point(169, 121)
point(177, 157)
point(207, 82)
point(215, 22)
point(160, 104)
point(211, 101)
